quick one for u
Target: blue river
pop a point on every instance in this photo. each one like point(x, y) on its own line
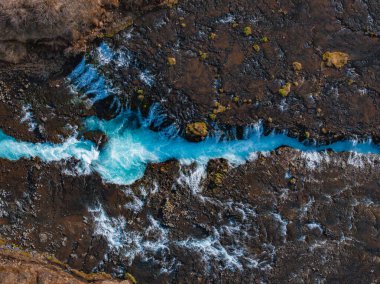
point(132, 145)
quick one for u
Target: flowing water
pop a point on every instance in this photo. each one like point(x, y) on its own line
point(132, 145)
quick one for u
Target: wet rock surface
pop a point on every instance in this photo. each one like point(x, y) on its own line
point(284, 215)
point(310, 68)
point(222, 75)
point(36, 102)
point(217, 62)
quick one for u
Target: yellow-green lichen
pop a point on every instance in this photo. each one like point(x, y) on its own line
point(335, 59)
point(293, 181)
point(297, 66)
point(198, 129)
point(171, 61)
point(219, 108)
point(264, 39)
point(170, 3)
point(285, 90)
point(202, 55)
point(218, 179)
point(247, 31)
point(130, 277)
point(256, 47)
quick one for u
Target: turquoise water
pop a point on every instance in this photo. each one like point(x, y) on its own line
point(132, 145)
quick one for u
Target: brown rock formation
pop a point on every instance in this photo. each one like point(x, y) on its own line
point(22, 267)
point(53, 23)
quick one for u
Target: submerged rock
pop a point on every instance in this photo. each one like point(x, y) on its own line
point(98, 137)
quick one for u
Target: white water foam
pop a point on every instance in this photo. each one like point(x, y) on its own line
point(28, 118)
point(112, 229)
point(192, 179)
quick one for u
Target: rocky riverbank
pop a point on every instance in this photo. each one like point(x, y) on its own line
point(229, 66)
point(310, 69)
point(284, 215)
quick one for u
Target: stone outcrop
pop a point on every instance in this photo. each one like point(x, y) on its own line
point(53, 23)
point(27, 267)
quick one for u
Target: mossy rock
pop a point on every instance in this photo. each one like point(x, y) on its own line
point(171, 61)
point(203, 55)
point(219, 108)
point(297, 66)
point(307, 135)
point(218, 179)
point(256, 47)
point(170, 3)
point(196, 131)
point(247, 31)
point(335, 59)
point(216, 172)
point(264, 39)
point(285, 90)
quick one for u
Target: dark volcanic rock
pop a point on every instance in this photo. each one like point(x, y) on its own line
point(45, 208)
point(34, 109)
point(308, 67)
point(223, 75)
point(98, 137)
point(314, 215)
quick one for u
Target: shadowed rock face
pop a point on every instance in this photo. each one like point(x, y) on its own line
point(58, 24)
point(48, 22)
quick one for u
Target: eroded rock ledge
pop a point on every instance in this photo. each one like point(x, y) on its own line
point(58, 24)
point(29, 267)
